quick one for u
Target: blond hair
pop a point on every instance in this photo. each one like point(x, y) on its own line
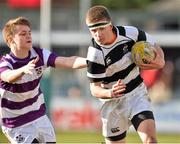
point(96, 14)
point(9, 28)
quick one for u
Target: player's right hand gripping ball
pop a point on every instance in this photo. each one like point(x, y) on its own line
point(141, 52)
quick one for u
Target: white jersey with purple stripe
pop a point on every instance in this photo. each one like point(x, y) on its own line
point(22, 101)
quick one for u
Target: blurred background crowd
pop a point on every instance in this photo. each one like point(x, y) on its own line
point(59, 25)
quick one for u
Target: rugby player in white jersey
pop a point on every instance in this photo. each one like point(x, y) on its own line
point(22, 102)
point(116, 80)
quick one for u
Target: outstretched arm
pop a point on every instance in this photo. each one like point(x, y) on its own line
point(74, 62)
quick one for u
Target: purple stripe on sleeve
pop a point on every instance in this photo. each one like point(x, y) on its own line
point(4, 58)
point(19, 105)
point(23, 119)
point(3, 69)
point(20, 88)
point(51, 60)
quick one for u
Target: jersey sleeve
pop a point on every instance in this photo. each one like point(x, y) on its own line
point(4, 65)
point(49, 58)
point(95, 65)
point(138, 35)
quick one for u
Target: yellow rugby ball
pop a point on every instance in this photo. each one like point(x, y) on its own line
point(141, 51)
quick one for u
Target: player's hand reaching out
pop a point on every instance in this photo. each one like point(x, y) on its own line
point(117, 89)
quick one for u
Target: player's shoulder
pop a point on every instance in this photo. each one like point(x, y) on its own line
point(6, 58)
point(2, 59)
point(126, 27)
point(127, 31)
point(39, 50)
point(131, 32)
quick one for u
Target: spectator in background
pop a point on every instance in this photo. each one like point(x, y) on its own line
point(22, 101)
point(115, 79)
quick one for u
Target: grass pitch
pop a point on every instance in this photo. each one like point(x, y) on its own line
point(96, 138)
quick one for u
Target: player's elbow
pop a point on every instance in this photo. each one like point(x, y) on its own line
point(162, 64)
point(94, 91)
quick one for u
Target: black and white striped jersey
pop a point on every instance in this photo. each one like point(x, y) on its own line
point(109, 63)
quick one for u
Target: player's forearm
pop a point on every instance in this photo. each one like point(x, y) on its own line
point(160, 61)
point(11, 76)
point(79, 62)
point(73, 62)
point(158, 65)
point(100, 92)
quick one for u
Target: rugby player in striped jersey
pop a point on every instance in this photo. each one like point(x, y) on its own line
point(115, 79)
point(22, 101)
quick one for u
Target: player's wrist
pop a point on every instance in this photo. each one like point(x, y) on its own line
point(111, 93)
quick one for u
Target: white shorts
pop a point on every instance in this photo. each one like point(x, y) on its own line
point(116, 114)
point(40, 129)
